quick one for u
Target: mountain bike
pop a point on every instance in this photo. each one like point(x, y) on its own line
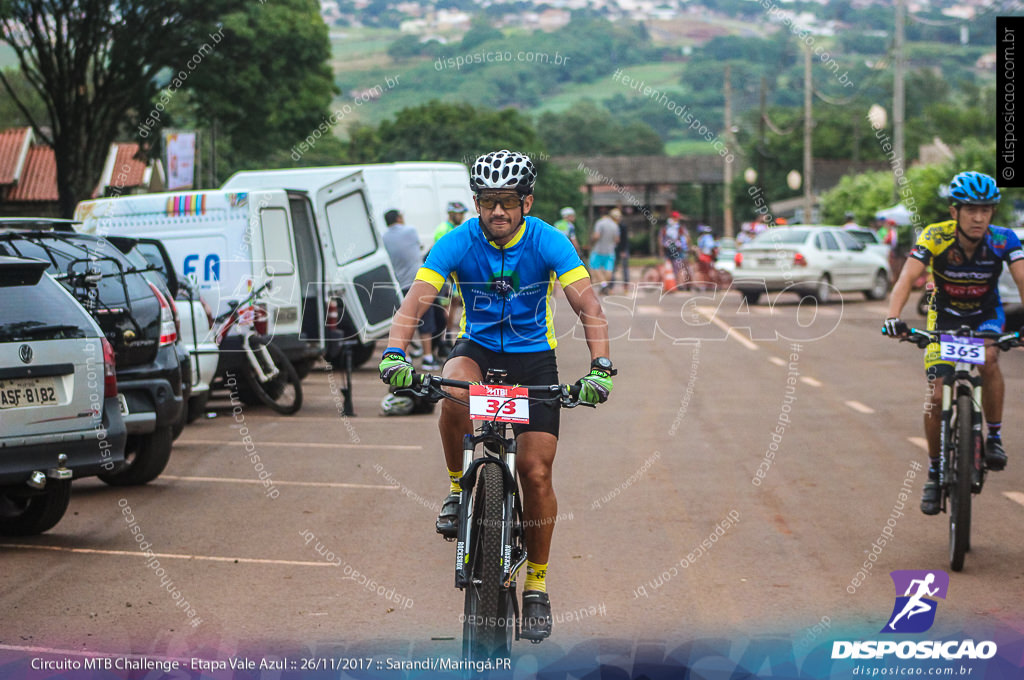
point(962, 466)
point(269, 376)
point(490, 545)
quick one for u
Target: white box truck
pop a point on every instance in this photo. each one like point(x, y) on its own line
point(421, 190)
point(315, 247)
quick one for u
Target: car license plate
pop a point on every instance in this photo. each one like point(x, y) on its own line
point(767, 262)
point(967, 350)
point(499, 403)
point(25, 392)
point(123, 403)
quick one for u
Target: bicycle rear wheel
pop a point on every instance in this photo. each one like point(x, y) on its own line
point(960, 484)
point(489, 623)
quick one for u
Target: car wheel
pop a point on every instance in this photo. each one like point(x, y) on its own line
point(197, 405)
point(879, 287)
point(145, 461)
point(823, 290)
point(31, 515)
point(751, 296)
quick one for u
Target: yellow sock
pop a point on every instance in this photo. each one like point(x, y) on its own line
point(455, 477)
point(535, 577)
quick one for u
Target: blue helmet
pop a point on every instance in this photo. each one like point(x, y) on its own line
point(973, 188)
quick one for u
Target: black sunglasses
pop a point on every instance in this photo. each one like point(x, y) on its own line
point(507, 202)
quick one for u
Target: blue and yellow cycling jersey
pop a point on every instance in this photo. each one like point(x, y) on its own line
point(506, 291)
point(966, 286)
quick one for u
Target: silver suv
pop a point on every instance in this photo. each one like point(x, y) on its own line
point(60, 415)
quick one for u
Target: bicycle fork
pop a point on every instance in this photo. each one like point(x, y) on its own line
point(257, 365)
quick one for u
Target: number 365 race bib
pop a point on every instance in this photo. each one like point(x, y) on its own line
point(968, 350)
point(501, 403)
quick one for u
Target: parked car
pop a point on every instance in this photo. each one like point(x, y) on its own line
point(194, 317)
point(138, 321)
point(870, 238)
point(819, 260)
point(727, 250)
point(60, 415)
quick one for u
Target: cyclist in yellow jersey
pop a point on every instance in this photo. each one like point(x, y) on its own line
point(967, 255)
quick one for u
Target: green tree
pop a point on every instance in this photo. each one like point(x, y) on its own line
point(94, 63)
point(267, 84)
point(439, 131)
point(588, 128)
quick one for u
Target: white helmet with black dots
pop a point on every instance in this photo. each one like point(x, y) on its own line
point(503, 170)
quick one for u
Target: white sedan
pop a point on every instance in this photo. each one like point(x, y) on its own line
point(819, 260)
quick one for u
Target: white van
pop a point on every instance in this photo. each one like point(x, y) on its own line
point(315, 247)
point(421, 190)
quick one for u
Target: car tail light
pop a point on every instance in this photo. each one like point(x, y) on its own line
point(259, 319)
point(332, 314)
point(168, 329)
point(109, 370)
point(738, 259)
point(799, 260)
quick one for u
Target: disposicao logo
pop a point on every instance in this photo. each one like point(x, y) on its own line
point(914, 612)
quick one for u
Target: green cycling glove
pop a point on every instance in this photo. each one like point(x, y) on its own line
point(595, 386)
point(395, 369)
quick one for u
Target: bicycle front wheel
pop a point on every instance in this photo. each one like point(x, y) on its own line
point(489, 623)
point(960, 484)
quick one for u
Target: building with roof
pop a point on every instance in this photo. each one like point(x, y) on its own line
point(28, 174)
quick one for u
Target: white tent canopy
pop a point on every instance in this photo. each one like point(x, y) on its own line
point(898, 214)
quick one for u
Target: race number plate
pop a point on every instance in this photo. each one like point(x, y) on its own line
point(967, 350)
point(499, 403)
point(25, 392)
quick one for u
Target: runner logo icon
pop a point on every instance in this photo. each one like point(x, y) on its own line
point(914, 610)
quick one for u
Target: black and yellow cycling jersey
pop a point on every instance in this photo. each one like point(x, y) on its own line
point(966, 286)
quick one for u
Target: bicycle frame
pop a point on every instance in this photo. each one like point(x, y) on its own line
point(964, 378)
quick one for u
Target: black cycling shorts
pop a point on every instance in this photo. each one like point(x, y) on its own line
point(525, 368)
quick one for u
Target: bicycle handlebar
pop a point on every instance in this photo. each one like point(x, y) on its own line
point(246, 300)
point(425, 384)
point(1004, 341)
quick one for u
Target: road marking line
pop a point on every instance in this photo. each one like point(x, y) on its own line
point(230, 480)
point(811, 381)
point(709, 314)
point(857, 406)
point(649, 310)
point(314, 445)
point(171, 556)
point(1015, 496)
point(777, 361)
point(919, 442)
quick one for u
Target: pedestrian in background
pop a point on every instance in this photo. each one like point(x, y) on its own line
point(602, 251)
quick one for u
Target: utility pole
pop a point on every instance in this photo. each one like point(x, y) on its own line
point(761, 151)
point(898, 95)
point(730, 145)
point(808, 128)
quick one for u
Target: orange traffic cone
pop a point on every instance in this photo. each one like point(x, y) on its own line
point(668, 277)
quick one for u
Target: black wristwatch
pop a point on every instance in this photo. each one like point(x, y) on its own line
point(603, 364)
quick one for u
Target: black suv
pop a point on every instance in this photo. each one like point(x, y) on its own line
point(138, 320)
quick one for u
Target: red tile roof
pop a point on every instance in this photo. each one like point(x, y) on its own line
point(128, 171)
point(12, 142)
point(38, 181)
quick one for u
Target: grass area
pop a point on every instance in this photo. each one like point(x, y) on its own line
point(655, 74)
point(689, 147)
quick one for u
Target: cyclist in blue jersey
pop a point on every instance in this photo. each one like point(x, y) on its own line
point(966, 254)
point(505, 264)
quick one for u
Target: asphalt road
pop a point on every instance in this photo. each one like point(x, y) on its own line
point(666, 530)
